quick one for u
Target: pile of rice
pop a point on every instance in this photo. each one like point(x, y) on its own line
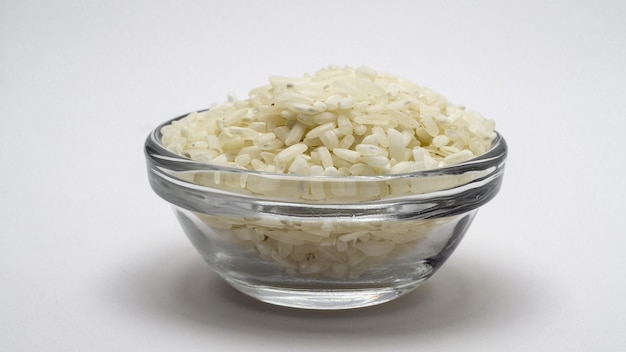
point(339, 121)
point(336, 122)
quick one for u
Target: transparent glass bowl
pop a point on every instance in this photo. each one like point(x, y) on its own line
point(321, 242)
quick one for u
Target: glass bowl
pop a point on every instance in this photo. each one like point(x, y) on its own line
point(322, 242)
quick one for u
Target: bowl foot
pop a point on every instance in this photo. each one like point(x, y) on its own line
point(323, 299)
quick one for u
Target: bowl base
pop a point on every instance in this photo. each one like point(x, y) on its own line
point(323, 299)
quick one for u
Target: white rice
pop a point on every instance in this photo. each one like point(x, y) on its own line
point(336, 122)
point(337, 107)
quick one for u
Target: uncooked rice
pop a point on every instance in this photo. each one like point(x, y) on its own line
point(336, 122)
point(337, 111)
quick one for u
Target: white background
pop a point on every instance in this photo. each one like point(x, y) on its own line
point(92, 260)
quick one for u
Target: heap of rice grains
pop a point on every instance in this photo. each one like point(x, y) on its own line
point(336, 122)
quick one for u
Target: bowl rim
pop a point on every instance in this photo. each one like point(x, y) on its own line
point(162, 157)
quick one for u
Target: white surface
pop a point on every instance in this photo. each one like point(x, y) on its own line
point(92, 260)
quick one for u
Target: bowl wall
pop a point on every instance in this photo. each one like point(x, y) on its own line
point(321, 263)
